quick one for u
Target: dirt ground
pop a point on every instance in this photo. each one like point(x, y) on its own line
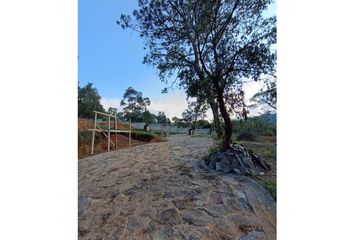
point(84, 147)
point(160, 191)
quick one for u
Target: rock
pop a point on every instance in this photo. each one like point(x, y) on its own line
point(247, 162)
point(196, 217)
point(218, 166)
point(169, 216)
point(235, 164)
point(254, 235)
point(212, 160)
point(167, 195)
point(166, 232)
point(84, 203)
point(238, 159)
point(226, 159)
point(263, 163)
point(225, 167)
point(244, 203)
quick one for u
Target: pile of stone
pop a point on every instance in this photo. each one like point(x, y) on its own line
point(239, 160)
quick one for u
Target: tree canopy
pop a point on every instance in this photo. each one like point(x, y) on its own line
point(210, 45)
point(88, 101)
point(135, 105)
point(161, 118)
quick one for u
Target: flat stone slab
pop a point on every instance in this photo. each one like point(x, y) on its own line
point(158, 191)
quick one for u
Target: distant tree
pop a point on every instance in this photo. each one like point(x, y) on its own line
point(201, 123)
point(149, 118)
point(113, 111)
point(161, 118)
point(121, 117)
point(88, 101)
point(194, 111)
point(175, 120)
point(134, 105)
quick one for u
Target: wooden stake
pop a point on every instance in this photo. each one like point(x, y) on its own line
point(115, 128)
point(130, 132)
point(109, 134)
point(93, 134)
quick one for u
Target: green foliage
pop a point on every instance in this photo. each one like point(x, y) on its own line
point(195, 110)
point(149, 118)
point(134, 105)
point(257, 126)
point(143, 136)
point(217, 147)
point(161, 118)
point(269, 153)
point(88, 101)
point(209, 45)
point(113, 111)
point(271, 186)
point(203, 124)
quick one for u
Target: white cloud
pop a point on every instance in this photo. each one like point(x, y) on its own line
point(173, 104)
point(251, 87)
point(111, 102)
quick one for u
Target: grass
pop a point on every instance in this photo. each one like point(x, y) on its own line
point(213, 149)
point(269, 153)
point(271, 186)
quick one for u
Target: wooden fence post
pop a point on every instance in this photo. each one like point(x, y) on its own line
point(109, 134)
point(93, 134)
point(115, 128)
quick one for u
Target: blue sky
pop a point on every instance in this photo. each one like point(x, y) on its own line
point(111, 58)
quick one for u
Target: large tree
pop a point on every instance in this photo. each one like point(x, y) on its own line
point(215, 43)
point(88, 101)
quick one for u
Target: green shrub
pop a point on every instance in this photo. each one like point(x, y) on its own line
point(143, 136)
point(213, 149)
point(246, 136)
point(269, 153)
point(271, 186)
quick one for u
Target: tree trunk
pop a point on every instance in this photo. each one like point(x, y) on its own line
point(217, 123)
point(226, 117)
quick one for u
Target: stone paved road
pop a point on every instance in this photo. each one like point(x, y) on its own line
point(159, 191)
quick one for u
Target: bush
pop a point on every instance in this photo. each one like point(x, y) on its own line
point(269, 153)
point(269, 132)
point(258, 126)
point(246, 136)
point(143, 136)
point(213, 149)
